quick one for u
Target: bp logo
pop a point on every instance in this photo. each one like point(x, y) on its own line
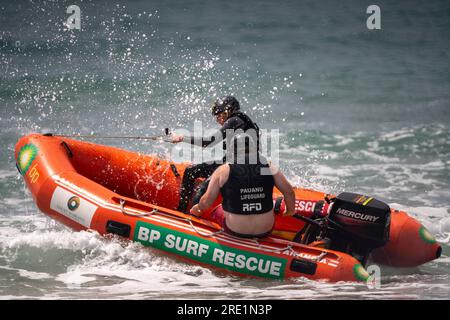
point(26, 156)
point(73, 203)
point(426, 235)
point(360, 273)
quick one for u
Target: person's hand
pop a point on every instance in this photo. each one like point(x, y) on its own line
point(288, 213)
point(195, 210)
point(175, 138)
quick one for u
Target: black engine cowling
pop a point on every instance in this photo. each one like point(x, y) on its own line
point(358, 224)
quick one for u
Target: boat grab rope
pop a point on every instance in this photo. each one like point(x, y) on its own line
point(319, 258)
point(289, 247)
point(211, 234)
point(277, 250)
point(143, 214)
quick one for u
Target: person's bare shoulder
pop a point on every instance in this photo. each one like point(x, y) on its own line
point(273, 169)
point(222, 173)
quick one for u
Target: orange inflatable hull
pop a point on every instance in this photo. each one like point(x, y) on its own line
point(88, 186)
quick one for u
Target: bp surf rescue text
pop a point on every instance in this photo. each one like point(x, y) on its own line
point(208, 252)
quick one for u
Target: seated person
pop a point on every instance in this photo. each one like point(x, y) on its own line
point(247, 195)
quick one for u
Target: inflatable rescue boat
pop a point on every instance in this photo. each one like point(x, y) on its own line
point(88, 186)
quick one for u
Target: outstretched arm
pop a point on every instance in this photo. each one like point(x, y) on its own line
point(232, 123)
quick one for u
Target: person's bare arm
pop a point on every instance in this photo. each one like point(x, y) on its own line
point(286, 189)
point(218, 179)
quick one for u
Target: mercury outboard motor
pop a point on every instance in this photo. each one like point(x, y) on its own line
point(358, 224)
point(355, 224)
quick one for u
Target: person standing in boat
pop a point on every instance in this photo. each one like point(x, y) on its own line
point(227, 112)
point(247, 193)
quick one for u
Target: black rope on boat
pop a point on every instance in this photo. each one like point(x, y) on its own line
point(18, 169)
point(66, 147)
point(174, 170)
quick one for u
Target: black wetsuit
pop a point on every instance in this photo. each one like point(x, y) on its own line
point(235, 122)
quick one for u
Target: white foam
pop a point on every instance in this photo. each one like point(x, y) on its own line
point(74, 279)
point(397, 135)
point(4, 174)
point(423, 212)
point(65, 239)
point(29, 274)
point(34, 275)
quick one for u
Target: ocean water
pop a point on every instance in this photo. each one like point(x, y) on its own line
point(358, 110)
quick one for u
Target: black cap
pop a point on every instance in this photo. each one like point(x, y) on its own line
point(228, 103)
